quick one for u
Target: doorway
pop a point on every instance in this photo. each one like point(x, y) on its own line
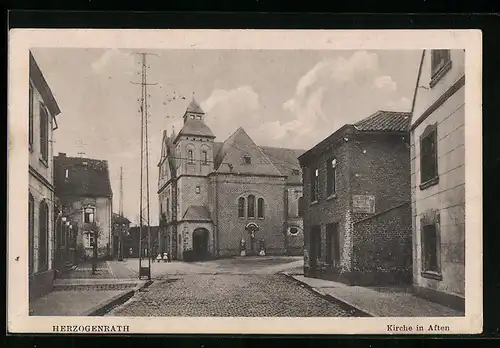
point(315, 247)
point(200, 243)
point(332, 245)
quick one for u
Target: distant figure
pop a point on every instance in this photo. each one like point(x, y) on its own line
point(158, 258)
point(130, 251)
point(165, 257)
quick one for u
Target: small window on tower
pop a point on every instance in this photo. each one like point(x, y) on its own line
point(247, 159)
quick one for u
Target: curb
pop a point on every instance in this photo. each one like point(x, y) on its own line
point(103, 308)
point(357, 312)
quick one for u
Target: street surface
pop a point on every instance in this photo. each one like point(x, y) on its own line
point(241, 287)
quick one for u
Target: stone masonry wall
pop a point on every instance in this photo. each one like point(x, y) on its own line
point(231, 229)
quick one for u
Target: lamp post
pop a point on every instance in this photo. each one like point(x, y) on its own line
point(66, 239)
point(62, 241)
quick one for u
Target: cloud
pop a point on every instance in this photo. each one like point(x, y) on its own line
point(229, 109)
point(385, 83)
point(108, 58)
point(244, 96)
point(333, 92)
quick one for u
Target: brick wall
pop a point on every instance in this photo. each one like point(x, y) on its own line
point(332, 209)
point(382, 246)
point(231, 229)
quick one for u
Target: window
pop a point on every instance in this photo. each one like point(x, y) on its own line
point(260, 208)
point(198, 189)
point(314, 185)
point(428, 157)
point(247, 159)
point(168, 205)
point(31, 231)
point(293, 230)
point(198, 117)
point(90, 240)
point(440, 63)
point(43, 241)
point(331, 173)
point(300, 203)
point(30, 116)
point(44, 133)
point(295, 172)
point(241, 207)
point(192, 117)
point(190, 156)
point(431, 246)
point(204, 156)
point(88, 215)
point(251, 206)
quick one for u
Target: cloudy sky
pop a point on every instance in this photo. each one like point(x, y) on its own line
point(281, 98)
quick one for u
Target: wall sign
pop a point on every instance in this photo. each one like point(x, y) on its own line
point(363, 204)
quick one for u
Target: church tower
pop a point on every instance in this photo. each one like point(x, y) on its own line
point(194, 146)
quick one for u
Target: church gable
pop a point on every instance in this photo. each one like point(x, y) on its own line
point(239, 154)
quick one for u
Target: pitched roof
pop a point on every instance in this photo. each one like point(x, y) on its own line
point(385, 121)
point(286, 160)
point(42, 86)
point(197, 213)
point(194, 107)
point(196, 128)
point(86, 177)
point(235, 148)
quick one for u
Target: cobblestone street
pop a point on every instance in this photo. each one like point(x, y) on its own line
point(247, 292)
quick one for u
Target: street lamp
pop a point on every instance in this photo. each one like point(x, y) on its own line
point(62, 241)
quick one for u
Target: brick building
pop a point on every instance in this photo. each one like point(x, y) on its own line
point(215, 197)
point(83, 190)
point(43, 110)
point(357, 221)
point(438, 178)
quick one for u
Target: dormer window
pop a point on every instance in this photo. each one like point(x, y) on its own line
point(198, 117)
point(295, 172)
point(247, 159)
point(191, 117)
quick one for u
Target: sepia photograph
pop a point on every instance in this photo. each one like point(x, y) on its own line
point(191, 182)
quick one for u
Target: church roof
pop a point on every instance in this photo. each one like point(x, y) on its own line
point(197, 213)
point(235, 148)
point(194, 107)
point(196, 128)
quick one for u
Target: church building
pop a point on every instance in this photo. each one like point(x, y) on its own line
point(227, 199)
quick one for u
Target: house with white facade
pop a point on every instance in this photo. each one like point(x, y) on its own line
point(438, 177)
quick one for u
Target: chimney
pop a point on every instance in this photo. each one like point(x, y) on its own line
point(62, 154)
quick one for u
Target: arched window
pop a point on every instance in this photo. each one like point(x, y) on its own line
point(190, 156)
point(251, 206)
point(43, 238)
point(300, 204)
point(260, 208)
point(204, 157)
point(241, 207)
point(31, 229)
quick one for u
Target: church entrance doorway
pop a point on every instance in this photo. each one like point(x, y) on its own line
point(200, 243)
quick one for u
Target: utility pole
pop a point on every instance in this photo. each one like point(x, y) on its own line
point(121, 225)
point(144, 216)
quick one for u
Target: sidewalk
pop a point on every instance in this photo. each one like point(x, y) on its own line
point(377, 302)
point(80, 293)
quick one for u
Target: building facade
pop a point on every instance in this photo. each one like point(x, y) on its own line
point(43, 110)
point(438, 177)
point(357, 219)
point(83, 190)
point(225, 199)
